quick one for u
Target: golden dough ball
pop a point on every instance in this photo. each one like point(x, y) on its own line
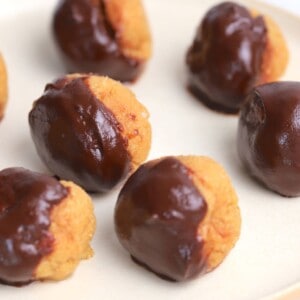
point(234, 50)
point(91, 130)
point(267, 140)
point(46, 227)
point(178, 216)
point(107, 37)
point(3, 87)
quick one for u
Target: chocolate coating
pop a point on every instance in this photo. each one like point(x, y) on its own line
point(88, 43)
point(79, 138)
point(26, 201)
point(269, 136)
point(226, 56)
point(157, 217)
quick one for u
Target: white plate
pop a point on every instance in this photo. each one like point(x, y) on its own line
point(265, 259)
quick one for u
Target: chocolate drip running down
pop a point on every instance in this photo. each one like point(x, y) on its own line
point(79, 138)
point(226, 57)
point(26, 201)
point(88, 42)
point(157, 217)
point(268, 136)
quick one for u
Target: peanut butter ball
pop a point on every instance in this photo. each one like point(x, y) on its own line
point(234, 50)
point(268, 137)
point(178, 216)
point(90, 130)
point(107, 37)
point(41, 222)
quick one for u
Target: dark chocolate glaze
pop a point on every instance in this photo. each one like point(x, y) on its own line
point(269, 136)
point(79, 138)
point(88, 42)
point(157, 217)
point(226, 56)
point(26, 201)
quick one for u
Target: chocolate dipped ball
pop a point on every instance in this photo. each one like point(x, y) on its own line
point(41, 221)
point(234, 50)
point(90, 130)
point(268, 137)
point(178, 216)
point(3, 87)
point(107, 37)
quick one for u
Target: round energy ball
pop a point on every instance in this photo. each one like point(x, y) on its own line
point(41, 221)
point(90, 130)
point(178, 216)
point(234, 50)
point(268, 138)
point(107, 37)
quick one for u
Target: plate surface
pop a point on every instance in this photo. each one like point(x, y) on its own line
point(265, 259)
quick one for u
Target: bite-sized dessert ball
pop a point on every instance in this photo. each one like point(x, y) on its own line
point(90, 130)
point(45, 227)
point(107, 37)
point(178, 216)
point(3, 87)
point(234, 50)
point(269, 136)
